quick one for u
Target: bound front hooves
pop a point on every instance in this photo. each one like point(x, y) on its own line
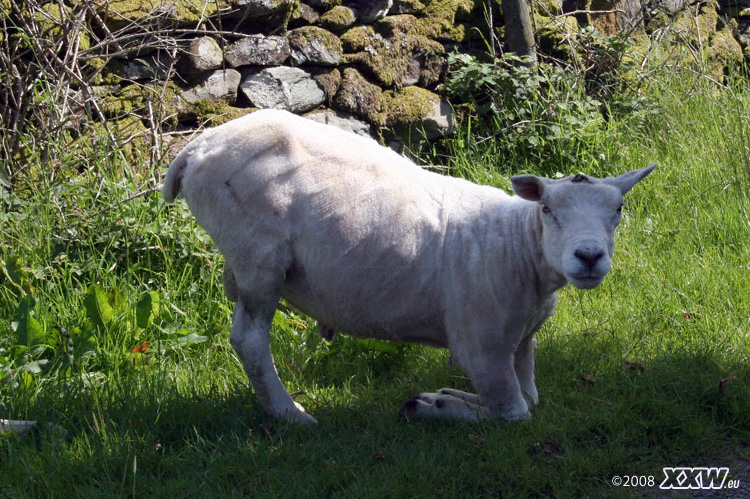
point(455, 405)
point(441, 406)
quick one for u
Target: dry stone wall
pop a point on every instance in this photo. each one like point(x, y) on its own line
point(374, 67)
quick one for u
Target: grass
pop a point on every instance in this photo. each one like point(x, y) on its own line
point(647, 371)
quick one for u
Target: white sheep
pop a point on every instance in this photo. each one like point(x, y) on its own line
point(371, 245)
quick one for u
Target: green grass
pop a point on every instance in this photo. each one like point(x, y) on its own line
point(628, 373)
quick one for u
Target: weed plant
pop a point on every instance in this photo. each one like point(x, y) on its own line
point(114, 335)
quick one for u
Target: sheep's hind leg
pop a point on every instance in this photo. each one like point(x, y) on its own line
point(250, 339)
point(524, 366)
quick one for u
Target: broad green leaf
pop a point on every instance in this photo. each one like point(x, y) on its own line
point(18, 274)
point(117, 300)
point(147, 308)
point(192, 338)
point(35, 367)
point(98, 309)
point(29, 331)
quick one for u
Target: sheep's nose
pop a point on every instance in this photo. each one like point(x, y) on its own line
point(589, 256)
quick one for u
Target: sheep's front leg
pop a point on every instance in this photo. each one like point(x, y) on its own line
point(499, 395)
point(250, 339)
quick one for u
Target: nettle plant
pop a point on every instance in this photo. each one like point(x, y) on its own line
point(547, 110)
point(59, 351)
point(534, 110)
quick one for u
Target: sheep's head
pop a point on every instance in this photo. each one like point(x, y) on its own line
point(579, 215)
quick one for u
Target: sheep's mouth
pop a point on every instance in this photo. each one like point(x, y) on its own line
point(586, 281)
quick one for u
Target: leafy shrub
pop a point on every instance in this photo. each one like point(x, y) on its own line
point(549, 113)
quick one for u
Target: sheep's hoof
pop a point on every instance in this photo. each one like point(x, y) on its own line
point(299, 416)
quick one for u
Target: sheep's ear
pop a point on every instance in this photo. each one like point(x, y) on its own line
point(529, 187)
point(626, 181)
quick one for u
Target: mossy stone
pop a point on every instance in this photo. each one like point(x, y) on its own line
point(406, 107)
point(337, 19)
point(723, 51)
point(119, 13)
point(554, 34)
point(600, 17)
point(385, 50)
point(697, 29)
point(441, 16)
point(329, 80)
point(358, 96)
point(213, 113)
point(313, 45)
point(133, 99)
point(129, 130)
point(407, 7)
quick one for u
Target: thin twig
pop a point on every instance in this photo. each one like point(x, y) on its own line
point(128, 199)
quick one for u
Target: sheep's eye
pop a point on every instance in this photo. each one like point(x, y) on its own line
point(546, 209)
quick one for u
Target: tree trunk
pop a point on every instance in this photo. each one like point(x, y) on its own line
point(519, 36)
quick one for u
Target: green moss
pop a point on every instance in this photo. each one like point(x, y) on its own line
point(440, 19)
point(384, 59)
point(337, 19)
point(548, 8)
point(358, 96)
point(384, 51)
point(697, 29)
point(213, 112)
point(554, 33)
point(412, 6)
point(723, 51)
point(307, 35)
point(134, 99)
point(392, 25)
point(330, 81)
point(357, 38)
point(121, 12)
point(406, 107)
point(130, 131)
point(111, 72)
point(605, 22)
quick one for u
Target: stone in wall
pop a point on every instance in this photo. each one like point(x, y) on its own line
point(416, 113)
point(723, 51)
point(203, 54)
point(406, 7)
point(329, 80)
point(283, 87)
point(258, 50)
point(221, 84)
point(324, 4)
point(155, 65)
point(358, 96)
point(262, 8)
point(303, 15)
point(369, 11)
point(338, 19)
point(386, 53)
point(341, 120)
point(372, 61)
point(316, 46)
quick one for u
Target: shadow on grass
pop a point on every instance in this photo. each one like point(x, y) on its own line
point(150, 436)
